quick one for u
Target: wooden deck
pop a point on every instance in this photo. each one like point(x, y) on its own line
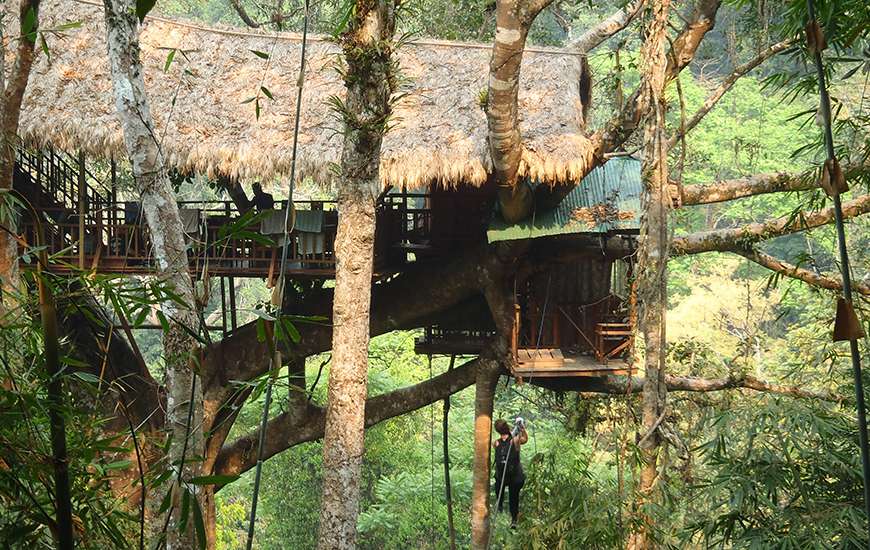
point(550, 362)
point(88, 226)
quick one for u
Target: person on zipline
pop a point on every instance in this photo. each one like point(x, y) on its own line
point(509, 475)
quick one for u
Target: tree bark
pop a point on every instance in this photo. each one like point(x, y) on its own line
point(183, 395)
point(652, 284)
point(749, 186)
point(606, 28)
point(738, 238)
point(370, 81)
point(790, 270)
point(484, 393)
point(14, 85)
point(513, 18)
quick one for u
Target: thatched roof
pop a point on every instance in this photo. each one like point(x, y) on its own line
point(440, 134)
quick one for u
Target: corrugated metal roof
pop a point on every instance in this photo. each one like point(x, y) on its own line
point(607, 200)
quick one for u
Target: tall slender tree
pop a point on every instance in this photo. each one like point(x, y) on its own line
point(652, 284)
point(184, 396)
point(370, 80)
point(13, 83)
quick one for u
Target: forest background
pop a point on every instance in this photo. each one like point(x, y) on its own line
point(746, 469)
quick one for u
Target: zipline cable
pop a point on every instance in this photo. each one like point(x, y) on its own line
point(825, 106)
point(278, 293)
point(448, 490)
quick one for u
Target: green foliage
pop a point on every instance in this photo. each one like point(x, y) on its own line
point(570, 500)
point(406, 514)
point(27, 507)
point(784, 473)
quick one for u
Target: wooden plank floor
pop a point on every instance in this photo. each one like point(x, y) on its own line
point(553, 363)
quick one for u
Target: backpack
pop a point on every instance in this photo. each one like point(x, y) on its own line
point(506, 453)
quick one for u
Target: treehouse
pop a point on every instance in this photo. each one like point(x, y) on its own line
point(213, 120)
point(576, 317)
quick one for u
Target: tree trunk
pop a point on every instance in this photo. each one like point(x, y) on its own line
point(345, 413)
point(513, 18)
point(370, 81)
point(183, 394)
point(484, 392)
point(13, 86)
point(652, 286)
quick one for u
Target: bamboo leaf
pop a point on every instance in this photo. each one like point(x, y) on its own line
point(28, 25)
point(214, 480)
point(261, 55)
point(143, 7)
point(68, 26)
point(169, 59)
point(199, 525)
point(185, 511)
point(118, 465)
point(167, 501)
point(266, 92)
point(44, 45)
point(164, 323)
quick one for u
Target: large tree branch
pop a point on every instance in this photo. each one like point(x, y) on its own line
point(692, 384)
point(626, 385)
point(243, 14)
point(285, 431)
point(618, 20)
point(513, 18)
point(800, 273)
point(622, 126)
point(686, 44)
point(100, 344)
point(749, 186)
point(726, 85)
point(739, 238)
point(405, 302)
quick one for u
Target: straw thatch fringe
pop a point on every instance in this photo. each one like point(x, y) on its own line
point(439, 134)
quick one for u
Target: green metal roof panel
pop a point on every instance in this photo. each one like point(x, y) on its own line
point(607, 200)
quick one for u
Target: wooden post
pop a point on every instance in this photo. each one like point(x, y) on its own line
point(113, 197)
point(557, 343)
point(224, 306)
point(232, 283)
point(82, 199)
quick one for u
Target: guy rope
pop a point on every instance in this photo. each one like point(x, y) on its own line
point(278, 292)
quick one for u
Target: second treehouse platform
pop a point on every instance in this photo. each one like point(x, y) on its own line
point(574, 316)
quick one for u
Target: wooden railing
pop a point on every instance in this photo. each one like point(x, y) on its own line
point(597, 329)
point(116, 240)
point(88, 228)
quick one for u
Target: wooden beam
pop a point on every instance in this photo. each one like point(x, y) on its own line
point(82, 197)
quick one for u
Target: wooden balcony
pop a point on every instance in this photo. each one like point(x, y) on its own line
point(115, 239)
